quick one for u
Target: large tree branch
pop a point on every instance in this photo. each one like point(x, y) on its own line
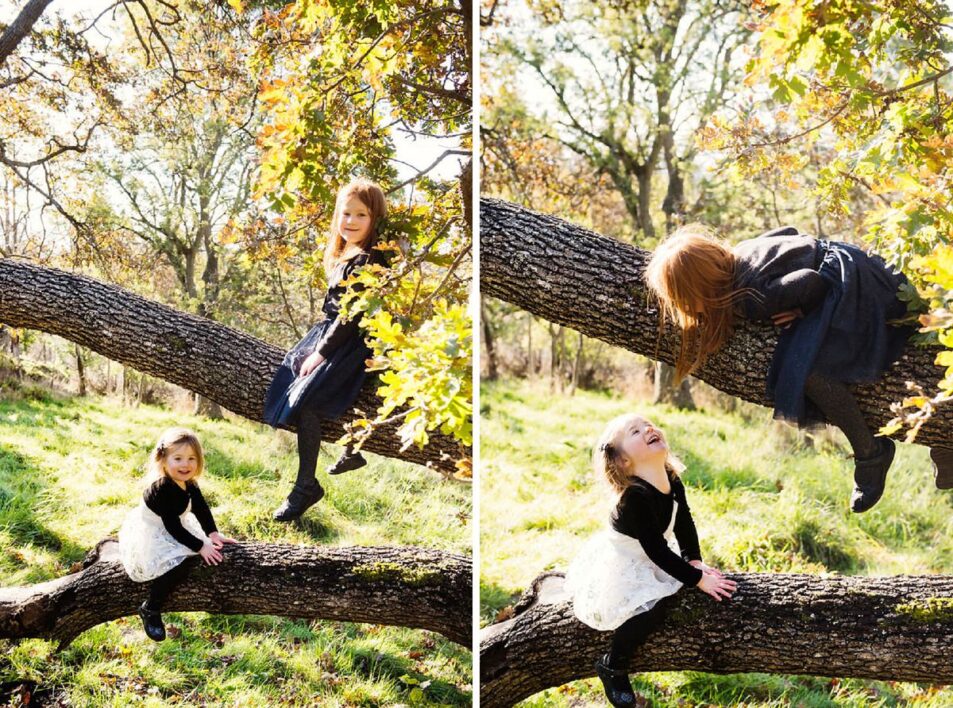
point(21, 27)
point(408, 587)
point(894, 628)
point(227, 366)
point(577, 278)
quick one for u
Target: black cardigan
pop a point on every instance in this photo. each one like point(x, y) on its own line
point(168, 500)
point(643, 512)
point(782, 266)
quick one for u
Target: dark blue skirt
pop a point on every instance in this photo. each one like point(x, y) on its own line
point(329, 390)
point(848, 338)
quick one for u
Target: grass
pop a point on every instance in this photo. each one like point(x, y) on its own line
point(71, 468)
point(763, 497)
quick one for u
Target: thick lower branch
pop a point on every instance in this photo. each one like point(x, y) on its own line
point(594, 284)
point(227, 366)
point(408, 587)
point(890, 628)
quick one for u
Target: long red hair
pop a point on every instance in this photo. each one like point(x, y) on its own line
point(692, 274)
point(371, 196)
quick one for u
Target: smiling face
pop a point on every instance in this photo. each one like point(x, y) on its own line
point(640, 441)
point(354, 221)
point(181, 462)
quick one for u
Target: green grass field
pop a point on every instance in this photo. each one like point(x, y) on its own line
point(762, 498)
point(71, 468)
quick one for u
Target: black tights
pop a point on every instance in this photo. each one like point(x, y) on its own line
point(309, 447)
point(631, 635)
point(839, 406)
point(163, 585)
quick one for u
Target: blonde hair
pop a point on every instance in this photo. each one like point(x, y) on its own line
point(167, 442)
point(371, 196)
point(607, 457)
point(692, 274)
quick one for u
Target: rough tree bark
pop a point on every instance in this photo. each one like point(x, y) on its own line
point(231, 368)
point(407, 587)
point(593, 284)
point(898, 628)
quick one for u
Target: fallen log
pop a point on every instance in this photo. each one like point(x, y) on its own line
point(404, 586)
point(229, 367)
point(593, 284)
point(889, 628)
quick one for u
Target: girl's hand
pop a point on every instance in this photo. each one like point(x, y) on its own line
point(718, 586)
point(310, 364)
point(218, 540)
point(210, 554)
point(705, 567)
point(786, 317)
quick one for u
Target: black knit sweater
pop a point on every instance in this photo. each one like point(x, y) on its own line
point(643, 512)
point(168, 500)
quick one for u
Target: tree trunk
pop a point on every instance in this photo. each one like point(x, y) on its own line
point(21, 27)
point(493, 369)
point(576, 365)
point(121, 384)
point(232, 368)
point(555, 332)
point(80, 370)
point(207, 407)
point(407, 587)
point(666, 391)
point(895, 628)
point(530, 369)
point(574, 277)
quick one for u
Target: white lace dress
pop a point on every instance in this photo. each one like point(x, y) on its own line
point(612, 578)
point(147, 550)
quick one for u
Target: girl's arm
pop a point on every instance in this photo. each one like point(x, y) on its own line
point(201, 510)
point(685, 532)
point(638, 519)
point(804, 289)
point(168, 501)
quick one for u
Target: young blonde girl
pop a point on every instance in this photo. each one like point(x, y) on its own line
point(649, 551)
point(171, 524)
point(321, 376)
point(835, 303)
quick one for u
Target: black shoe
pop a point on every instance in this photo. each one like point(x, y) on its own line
point(870, 476)
point(347, 461)
point(942, 466)
point(298, 502)
point(616, 683)
point(152, 623)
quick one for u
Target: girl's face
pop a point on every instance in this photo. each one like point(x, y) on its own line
point(181, 463)
point(640, 442)
point(354, 221)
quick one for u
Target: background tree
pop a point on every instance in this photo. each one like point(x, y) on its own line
point(194, 96)
point(622, 86)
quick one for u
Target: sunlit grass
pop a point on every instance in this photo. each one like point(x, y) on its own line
point(764, 499)
point(71, 468)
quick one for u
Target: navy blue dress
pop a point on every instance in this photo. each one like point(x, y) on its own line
point(334, 385)
point(845, 334)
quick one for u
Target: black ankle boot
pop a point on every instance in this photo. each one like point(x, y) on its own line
point(616, 683)
point(870, 476)
point(347, 461)
point(942, 466)
point(298, 502)
point(152, 622)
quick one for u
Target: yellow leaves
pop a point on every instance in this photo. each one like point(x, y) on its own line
point(938, 266)
point(237, 6)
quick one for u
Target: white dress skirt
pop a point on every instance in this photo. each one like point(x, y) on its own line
point(147, 550)
point(612, 578)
